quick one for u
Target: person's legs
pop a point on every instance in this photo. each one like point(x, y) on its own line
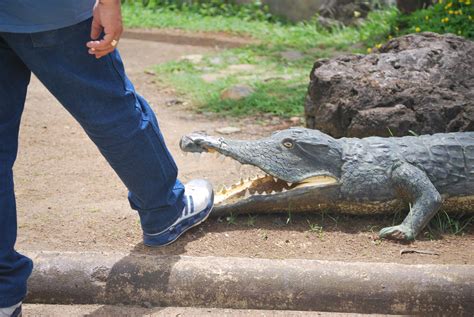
point(119, 121)
point(14, 268)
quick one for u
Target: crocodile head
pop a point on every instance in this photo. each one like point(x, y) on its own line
point(292, 160)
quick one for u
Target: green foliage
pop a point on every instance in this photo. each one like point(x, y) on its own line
point(274, 34)
point(231, 219)
point(251, 220)
point(284, 95)
point(455, 16)
point(317, 229)
point(253, 11)
point(442, 223)
point(281, 93)
point(280, 85)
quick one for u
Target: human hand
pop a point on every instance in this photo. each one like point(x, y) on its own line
point(107, 18)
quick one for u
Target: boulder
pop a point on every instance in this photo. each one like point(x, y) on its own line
point(419, 82)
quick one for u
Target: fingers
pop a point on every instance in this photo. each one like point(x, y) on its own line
point(101, 52)
point(102, 44)
point(106, 45)
point(96, 29)
point(102, 47)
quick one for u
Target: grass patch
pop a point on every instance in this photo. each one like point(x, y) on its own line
point(136, 16)
point(283, 96)
point(279, 86)
point(442, 223)
point(302, 35)
point(279, 83)
point(317, 229)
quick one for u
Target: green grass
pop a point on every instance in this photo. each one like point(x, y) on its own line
point(284, 95)
point(280, 85)
point(136, 16)
point(317, 229)
point(231, 219)
point(442, 223)
point(303, 35)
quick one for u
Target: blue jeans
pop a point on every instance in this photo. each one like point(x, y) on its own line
point(100, 97)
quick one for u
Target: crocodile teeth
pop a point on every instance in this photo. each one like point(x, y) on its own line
point(275, 179)
point(289, 184)
point(247, 193)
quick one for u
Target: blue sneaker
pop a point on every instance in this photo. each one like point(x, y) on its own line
point(13, 311)
point(199, 202)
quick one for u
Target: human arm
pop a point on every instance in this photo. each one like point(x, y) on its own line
point(107, 19)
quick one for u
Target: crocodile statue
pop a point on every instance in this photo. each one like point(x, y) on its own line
point(307, 170)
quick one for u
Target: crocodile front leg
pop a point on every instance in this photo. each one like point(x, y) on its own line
point(413, 183)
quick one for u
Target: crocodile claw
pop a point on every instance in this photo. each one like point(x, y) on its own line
point(399, 232)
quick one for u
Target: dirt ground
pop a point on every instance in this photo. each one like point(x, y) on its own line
point(70, 199)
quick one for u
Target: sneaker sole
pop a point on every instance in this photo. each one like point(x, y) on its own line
point(210, 206)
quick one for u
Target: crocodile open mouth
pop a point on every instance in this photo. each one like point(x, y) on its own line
point(257, 186)
point(264, 186)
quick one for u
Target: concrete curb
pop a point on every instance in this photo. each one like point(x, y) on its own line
point(172, 36)
point(244, 283)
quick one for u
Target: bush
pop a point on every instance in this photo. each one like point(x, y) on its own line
point(455, 16)
point(254, 11)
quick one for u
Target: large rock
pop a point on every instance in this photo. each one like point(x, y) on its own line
point(422, 82)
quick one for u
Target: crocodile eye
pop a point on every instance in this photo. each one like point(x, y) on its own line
point(288, 144)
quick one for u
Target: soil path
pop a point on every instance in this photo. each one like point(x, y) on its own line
point(70, 199)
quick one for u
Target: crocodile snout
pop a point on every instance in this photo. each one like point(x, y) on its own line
point(198, 143)
point(187, 144)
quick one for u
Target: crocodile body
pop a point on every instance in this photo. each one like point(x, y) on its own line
point(350, 175)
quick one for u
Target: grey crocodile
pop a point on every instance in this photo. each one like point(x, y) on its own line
point(307, 170)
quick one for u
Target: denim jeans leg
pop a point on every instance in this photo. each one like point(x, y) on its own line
point(14, 267)
point(118, 120)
